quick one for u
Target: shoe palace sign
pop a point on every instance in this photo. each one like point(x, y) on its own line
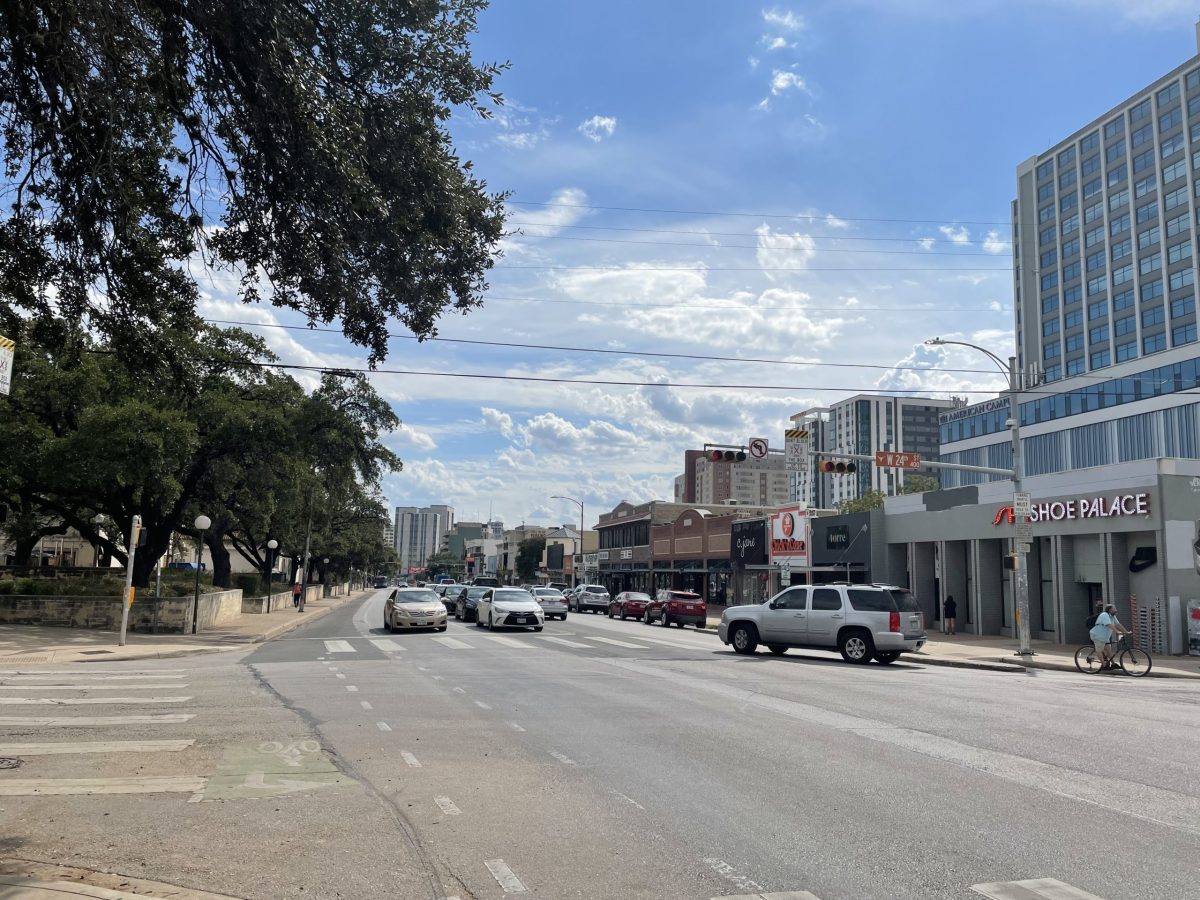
point(1081, 508)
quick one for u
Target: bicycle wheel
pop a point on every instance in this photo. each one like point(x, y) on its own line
point(1135, 662)
point(1086, 660)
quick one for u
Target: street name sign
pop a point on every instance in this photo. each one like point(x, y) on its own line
point(892, 459)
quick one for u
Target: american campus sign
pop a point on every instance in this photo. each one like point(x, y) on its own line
point(1081, 508)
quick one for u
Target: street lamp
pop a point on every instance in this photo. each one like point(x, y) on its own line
point(202, 522)
point(579, 503)
point(1014, 426)
point(96, 520)
point(272, 544)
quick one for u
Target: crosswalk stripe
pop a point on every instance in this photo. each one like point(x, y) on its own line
point(510, 642)
point(87, 721)
point(567, 643)
point(117, 673)
point(679, 644)
point(617, 643)
point(49, 749)
point(339, 647)
point(1032, 889)
point(86, 701)
point(53, 678)
point(173, 686)
point(387, 645)
point(453, 643)
point(142, 784)
point(786, 895)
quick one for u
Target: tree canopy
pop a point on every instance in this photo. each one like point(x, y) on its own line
point(529, 557)
point(302, 146)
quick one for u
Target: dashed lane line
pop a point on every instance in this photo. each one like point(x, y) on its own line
point(505, 877)
point(481, 704)
point(114, 674)
point(563, 758)
point(339, 647)
point(730, 874)
point(567, 643)
point(65, 747)
point(454, 643)
point(383, 726)
point(351, 689)
point(411, 760)
point(515, 726)
point(365, 705)
point(1032, 889)
point(171, 686)
point(617, 643)
point(446, 805)
point(387, 645)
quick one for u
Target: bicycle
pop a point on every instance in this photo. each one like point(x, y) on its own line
point(1131, 660)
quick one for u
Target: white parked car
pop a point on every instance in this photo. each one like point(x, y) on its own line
point(505, 607)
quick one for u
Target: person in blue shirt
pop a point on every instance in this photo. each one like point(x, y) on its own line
point(1107, 627)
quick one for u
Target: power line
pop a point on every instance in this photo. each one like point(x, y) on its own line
point(612, 352)
point(751, 215)
point(621, 268)
point(568, 237)
point(740, 308)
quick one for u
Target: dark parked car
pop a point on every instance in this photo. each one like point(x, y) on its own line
point(466, 602)
point(676, 607)
point(628, 605)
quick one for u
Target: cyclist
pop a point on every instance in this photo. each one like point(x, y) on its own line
point(1105, 630)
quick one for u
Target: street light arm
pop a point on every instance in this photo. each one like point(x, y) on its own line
point(942, 342)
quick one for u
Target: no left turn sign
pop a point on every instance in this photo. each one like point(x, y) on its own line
point(758, 448)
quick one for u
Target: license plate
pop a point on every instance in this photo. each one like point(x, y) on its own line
point(521, 621)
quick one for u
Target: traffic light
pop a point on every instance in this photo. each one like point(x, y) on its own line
point(727, 455)
point(839, 468)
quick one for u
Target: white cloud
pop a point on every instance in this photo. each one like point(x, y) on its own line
point(959, 235)
point(926, 243)
point(597, 128)
point(521, 127)
point(776, 43)
point(783, 19)
point(496, 420)
point(565, 208)
point(994, 244)
point(406, 435)
point(554, 434)
point(753, 60)
point(783, 80)
point(780, 250)
point(834, 222)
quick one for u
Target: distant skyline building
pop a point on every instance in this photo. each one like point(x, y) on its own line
point(419, 533)
point(1104, 229)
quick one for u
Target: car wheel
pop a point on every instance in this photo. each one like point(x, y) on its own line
point(478, 621)
point(491, 623)
point(777, 649)
point(646, 618)
point(886, 658)
point(443, 628)
point(610, 612)
point(856, 647)
point(744, 639)
point(664, 621)
point(537, 627)
point(387, 624)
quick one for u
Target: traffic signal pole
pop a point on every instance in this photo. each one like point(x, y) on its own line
point(925, 464)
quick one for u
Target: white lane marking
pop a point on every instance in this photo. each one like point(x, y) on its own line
point(730, 874)
point(383, 726)
point(1049, 888)
point(453, 643)
point(387, 645)
point(412, 761)
point(351, 689)
point(439, 677)
point(86, 701)
point(170, 686)
point(563, 758)
point(516, 727)
point(1166, 807)
point(505, 876)
point(340, 675)
point(786, 895)
point(332, 667)
point(320, 657)
point(339, 647)
point(510, 642)
point(81, 721)
point(143, 784)
point(30, 678)
point(481, 704)
point(627, 799)
point(617, 643)
point(446, 805)
point(92, 673)
point(422, 669)
point(459, 690)
point(679, 644)
point(49, 749)
point(567, 643)
point(365, 705)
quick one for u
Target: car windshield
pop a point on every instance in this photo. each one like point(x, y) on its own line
point(476, 593)
point(905, 600)
point(416, 597)
point(511, 596)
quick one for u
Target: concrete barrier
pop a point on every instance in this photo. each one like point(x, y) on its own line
point(148, 613)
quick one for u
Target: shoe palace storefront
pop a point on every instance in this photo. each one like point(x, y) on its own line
point(1107, 534)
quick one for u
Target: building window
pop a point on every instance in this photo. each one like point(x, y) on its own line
point(1151, 263)
point(1097, 310)
point(1097, 285)
point(1169, 93)
point(1148, 238)
point(1053, 373)
point(1182, 306)
point(1122, 249)
point(1117, 126)
point(1146, 212)
point(1046, 169)
point(1152, 316)
point(1047, 236)
point(1066, 179)
point(1049, 304)
point(1074, 318)
point(1115, 152)
point(1117, 225)
point(1046, 214)
point(1139, 112)
point(1072, 294)
point(1125, 351)
point(1049, 327)
point(1075, 366)
point(1152, 289)
point(1193, 79)
point(1100, 359)
point(1175, 198)
point(1117, 174)
point(1068, 201)
point(1046, 192)
point(1175, 170)
point(1169, 120)
point(1182, 278)
point(1098, 335)
point(1049, 280)
point(1123, 300)
point(1051, 350)
point(1095, 261)
point(1144, 186)
point(1049, 258)
point(1122, 275)
point(1071, 223)
point(1124, 326)
point(1184, 334)
point(1154, 343)
point(1071, 272)
point(1143, 161)
point(1096, 210)
point(1119, 199)
point(1142, 135)
point(1090, 165)
point(1172, 145)
point(1176, 225)
point(1070, 248)
point(1091, 142)
point(1074, 342)
point(1179, 251)
point(1094, 237)
point(1066, 157)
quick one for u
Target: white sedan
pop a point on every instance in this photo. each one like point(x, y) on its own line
point(501, 607)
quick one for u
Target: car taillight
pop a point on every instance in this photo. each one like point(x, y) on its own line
point(893, 621)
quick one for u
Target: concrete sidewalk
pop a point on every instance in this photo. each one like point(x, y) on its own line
point(33, 645)
point(30, 880)
point(970, 651)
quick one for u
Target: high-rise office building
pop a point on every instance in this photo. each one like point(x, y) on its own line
point(1104, 246)
point(419, 533)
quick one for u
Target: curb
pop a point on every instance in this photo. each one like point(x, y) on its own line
point(1070, 667)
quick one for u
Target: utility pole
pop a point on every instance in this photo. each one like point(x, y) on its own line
point(135, 530)
point(307, 546)
point(1020, 499)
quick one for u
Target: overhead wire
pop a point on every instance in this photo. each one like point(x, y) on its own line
point(809, 250)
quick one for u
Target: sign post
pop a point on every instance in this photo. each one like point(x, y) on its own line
point(135, 530)
point(6, 364)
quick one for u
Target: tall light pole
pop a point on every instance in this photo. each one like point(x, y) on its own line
point(1014, 426)
point(202, 522)
point(96, 520)
point(272, 544)
point(579, 503)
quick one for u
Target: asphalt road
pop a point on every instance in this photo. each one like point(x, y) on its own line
point(602, 759)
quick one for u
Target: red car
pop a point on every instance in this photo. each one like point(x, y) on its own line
point(680, 607)
point(629, 604)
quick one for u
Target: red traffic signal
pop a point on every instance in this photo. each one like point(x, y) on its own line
point(727, 455)
point(839, 468)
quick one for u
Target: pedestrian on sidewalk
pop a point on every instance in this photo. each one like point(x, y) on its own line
point(296, 595)
point(949, 614)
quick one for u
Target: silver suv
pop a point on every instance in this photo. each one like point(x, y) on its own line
point(590, 598)
point(862, 621)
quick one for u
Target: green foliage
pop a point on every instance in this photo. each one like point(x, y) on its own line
point(303, 146)
point(919, 484)
point(868, 501)
point(529, 557)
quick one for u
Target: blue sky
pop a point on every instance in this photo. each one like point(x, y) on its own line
point(808, 183)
